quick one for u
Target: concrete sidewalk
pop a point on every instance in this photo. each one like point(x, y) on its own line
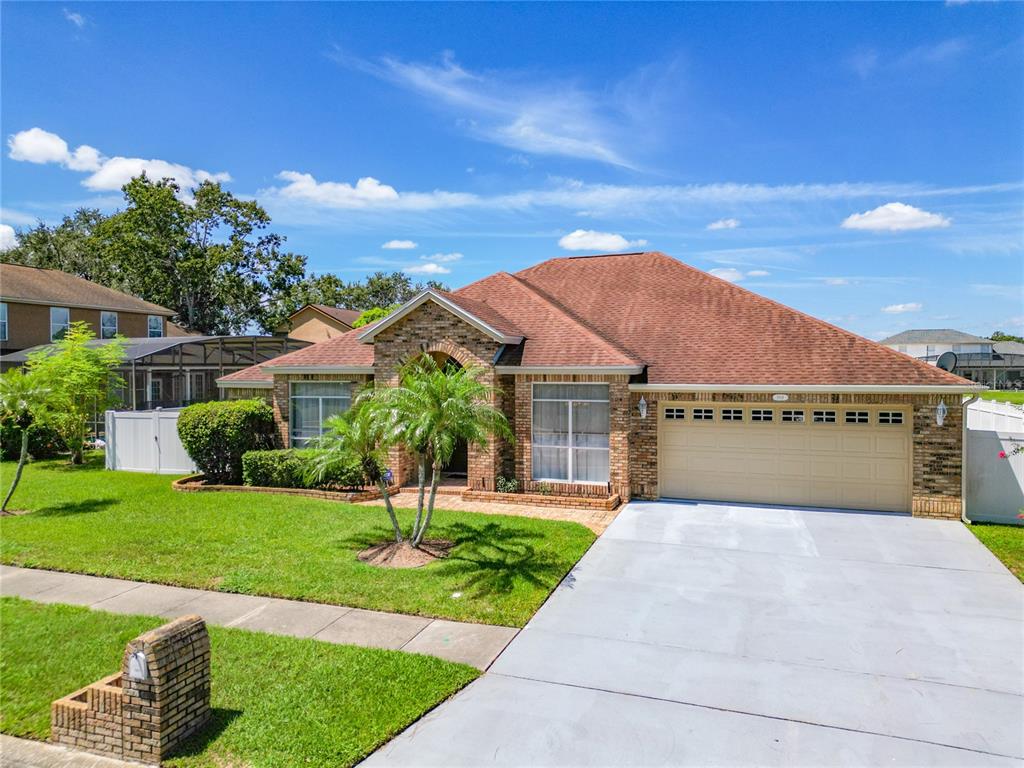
point(474, 644)
point(25, 753)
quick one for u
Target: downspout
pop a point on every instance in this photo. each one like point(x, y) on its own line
point(963, 463)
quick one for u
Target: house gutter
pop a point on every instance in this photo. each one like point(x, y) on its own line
point(963, 462)
point(909, 389)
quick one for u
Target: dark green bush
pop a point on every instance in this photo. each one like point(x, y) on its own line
point(287, 469)
point(43, 442)
point(217, 434)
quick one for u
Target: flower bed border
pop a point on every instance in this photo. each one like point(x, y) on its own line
point(196, 484)
point(602, 503)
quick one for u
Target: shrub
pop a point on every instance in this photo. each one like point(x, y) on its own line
point(216, 435)
point(288, 469)
point(43, 442)
point(507, 485)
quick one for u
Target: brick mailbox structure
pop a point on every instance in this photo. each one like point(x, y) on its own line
point(160, 697)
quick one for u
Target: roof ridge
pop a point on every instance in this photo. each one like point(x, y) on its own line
point(574, 318)
point(816, 320)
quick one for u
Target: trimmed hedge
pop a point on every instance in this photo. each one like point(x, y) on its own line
point(216, 435)
point(286, 469)
point(43, 442)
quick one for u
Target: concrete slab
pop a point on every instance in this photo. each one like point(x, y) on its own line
point(148, 599)
point(218, 607)
point(502, 721)
point(373, 629)
point(286, 617)
point(74, 589)
point(29, 583)
point(705, 634)
point(24, 753)
point(473, 644)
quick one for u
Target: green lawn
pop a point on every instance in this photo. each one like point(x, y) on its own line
point(1006, 542)
point(1004, 396)
point(133, 526)
point(276, 700)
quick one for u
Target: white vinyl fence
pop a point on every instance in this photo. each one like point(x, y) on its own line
point(146, 441)
point(995, 487)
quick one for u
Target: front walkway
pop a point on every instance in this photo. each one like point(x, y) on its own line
point(695, 634)
point(473, 644)
point(26, 753)
point(594, 519)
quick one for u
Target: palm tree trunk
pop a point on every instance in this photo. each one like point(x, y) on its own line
point(17, 472)
point(434, 480)
point(421, 471)
point(383, 486)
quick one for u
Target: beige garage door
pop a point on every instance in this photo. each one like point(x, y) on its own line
point(856, 457)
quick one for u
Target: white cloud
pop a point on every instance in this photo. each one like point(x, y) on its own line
point(428, 268)
point(724, 224)
point(10, 216)
point(399, 245)
point(106, 173)
point(836, 280)
point(999, 290)
point(728, 274)
point(895, 217)
point(758, 273)
point(7, 237)
point(899, 309)
point(367, 192)
point(440, 258)
point(75, 18)
point(590, 240)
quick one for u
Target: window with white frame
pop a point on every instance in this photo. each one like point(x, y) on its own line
point(792, 416)
point(856, 417)
point(890, 417)
point(703, 414)
point(824, 417)
point(312, 403)
point(155, 326)
point(60, 321)
point(732, 414)
point(571, 424)
point(3, 321)
point(674, 412)
point(761, 414)
point(108, 325)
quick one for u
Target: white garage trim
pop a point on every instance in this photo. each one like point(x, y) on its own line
point(796, 388)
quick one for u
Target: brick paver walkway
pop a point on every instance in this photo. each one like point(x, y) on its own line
point(474, 644)
point(595, 520)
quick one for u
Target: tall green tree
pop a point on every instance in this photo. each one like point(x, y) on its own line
point(429, 413)
point(70, 246)
point(82, 381)
point(24, 401)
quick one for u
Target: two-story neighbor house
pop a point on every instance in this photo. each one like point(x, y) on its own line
point(37, 306)
point(318, 322)
point(997, 364)
point(653, 379)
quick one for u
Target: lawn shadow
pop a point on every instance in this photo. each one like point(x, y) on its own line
point(75, 508)
point(196, 745)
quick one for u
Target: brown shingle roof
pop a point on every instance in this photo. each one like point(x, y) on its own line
point(253, 374)
point(346, 316)
point(344, 350)
point(62, 289)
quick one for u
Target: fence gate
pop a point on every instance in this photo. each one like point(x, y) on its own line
point(146, 441)
point(995, 487)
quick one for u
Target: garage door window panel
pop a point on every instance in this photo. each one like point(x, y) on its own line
point(857, 417)
point(890, 417)
point(761, 414)
point(571, 426)
point(793, 417)
point(824, 417)
point(703, 414)
point(732, 414)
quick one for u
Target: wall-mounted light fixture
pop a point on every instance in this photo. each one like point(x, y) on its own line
point(940, 412)
point(642, 406)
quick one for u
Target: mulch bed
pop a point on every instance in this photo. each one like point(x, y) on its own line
point(393, 554)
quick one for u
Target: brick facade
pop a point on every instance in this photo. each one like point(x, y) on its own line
point(143, 718)
point(280, 395)
point(266, 394)
point(937, 459)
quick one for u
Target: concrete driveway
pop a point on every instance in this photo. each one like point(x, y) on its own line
point(713, 634)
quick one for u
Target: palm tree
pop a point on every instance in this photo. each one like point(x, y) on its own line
point(431, 410)
point(23, 400)
point(359, 436)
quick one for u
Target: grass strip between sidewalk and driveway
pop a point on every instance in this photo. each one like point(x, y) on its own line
point(1005, 542)
point(134, 526)
point(276, 700)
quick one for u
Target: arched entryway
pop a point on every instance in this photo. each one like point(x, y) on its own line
point(458, 468)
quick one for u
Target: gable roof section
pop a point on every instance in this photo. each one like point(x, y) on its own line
point(691, 328)
point(254, 376)
point(480, 315)
point(934, 336)
point(342, 315)
point(342, 354)
point(33, 285)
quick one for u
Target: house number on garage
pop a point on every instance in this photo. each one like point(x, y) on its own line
point(780, 398)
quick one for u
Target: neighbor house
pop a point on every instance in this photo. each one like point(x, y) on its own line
point(997, 364)
point(37, 306)
point(318, 322)
point(642, 376)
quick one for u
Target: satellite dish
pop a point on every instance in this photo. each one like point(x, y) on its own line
point(946, 361)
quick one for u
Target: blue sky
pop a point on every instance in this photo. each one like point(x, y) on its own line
point(863, 163)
